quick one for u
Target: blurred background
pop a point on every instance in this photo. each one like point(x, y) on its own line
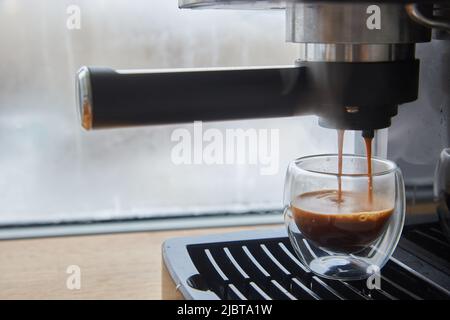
point(52, 171)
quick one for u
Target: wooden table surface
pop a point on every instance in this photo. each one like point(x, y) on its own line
point(112, 266)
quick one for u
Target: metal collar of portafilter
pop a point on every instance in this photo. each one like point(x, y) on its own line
point(359, 57)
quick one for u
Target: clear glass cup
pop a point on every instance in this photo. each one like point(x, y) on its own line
point(345, 238)
point(442, 190)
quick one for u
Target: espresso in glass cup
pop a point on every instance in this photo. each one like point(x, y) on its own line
point(344, 226)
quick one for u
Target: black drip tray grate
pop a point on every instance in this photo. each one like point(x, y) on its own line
point(428, 243)
point(266, 267)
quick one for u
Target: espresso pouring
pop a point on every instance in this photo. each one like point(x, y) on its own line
point(339, 220)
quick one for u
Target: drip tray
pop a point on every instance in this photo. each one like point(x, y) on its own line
point(262, 265)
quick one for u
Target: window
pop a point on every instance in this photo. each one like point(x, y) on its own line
point(53, 171)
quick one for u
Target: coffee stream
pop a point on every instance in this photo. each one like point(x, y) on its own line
point(368, 143)
point(343, 221)
point(341, 134)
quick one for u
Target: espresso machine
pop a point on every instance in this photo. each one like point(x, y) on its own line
point(356, 70)
point(356, 65)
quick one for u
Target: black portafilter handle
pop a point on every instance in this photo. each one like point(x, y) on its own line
point(354, 96)
point(110, 98)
